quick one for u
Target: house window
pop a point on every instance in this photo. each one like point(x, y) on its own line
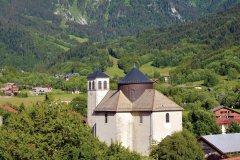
point(105, 84)
point(106, 118)
point(141, 119)
point(167, 117)
point(99, 85)
point(89, 85)
point(93, 85)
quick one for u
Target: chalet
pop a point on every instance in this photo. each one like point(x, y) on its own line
point(221, 146)
point(135, 114)
point(41, 89)
point(10, 89)
point(225, 115)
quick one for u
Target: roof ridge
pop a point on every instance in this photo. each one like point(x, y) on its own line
point(153, 99)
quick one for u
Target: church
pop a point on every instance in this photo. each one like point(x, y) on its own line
point(136, 115)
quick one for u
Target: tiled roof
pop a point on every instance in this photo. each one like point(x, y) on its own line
point(134, 76)
point(150, 100)
point(225, 143)
point(97, 74)
point(220, 107)
point(9, 108)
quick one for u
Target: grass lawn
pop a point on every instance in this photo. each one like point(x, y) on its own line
point(149, 69)
point(81, 40)
point(114, 70)
point(34, 99)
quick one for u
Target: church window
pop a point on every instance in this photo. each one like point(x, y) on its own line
point(99, 85)
point(89, 85)
point(141, 119)
point(105, 84)
point(93, 85)
point(106, 118)
point(94, 130)
point(167, 118)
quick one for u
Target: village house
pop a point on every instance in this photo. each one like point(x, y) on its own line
point(10, 89)
point(221, 146)
point(135, 114)
point(6, 108)
point(225, 116)
point(41, 89)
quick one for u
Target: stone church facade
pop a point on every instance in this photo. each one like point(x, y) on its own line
point(135, 115)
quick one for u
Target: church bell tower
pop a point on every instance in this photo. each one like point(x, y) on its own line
point(98, 86)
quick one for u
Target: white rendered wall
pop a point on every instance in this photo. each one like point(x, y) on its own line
point(142, 133)
point(106, 131)
point(95, 96)
point(124, 129)
point(161, 129)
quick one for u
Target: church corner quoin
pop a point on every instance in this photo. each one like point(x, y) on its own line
point(136, 115)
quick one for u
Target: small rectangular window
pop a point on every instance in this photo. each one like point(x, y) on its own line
point(106, 118)
point(141, 119)
point(94, 130)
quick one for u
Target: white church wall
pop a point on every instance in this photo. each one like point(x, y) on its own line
point(124, 130)
point(95, 96)
point(142, 132)
point(161, 128)
point(106, 131)
point(91, 107)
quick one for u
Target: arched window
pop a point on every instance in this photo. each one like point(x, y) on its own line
point(167, 118)
point(106, 118)
point(105, 84)
point(93, 85)
point(89, 85)
point(141, 119)
point(99, 85)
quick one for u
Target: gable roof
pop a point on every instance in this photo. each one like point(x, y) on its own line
point(224, 143)
point(150, 100)
point(9, 108)
point(134, 76)
point(97, 74)
point(220, 107)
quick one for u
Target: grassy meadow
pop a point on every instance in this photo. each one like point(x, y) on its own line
point(32, 99)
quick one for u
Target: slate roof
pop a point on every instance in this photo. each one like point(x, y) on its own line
point(224, 143)
point(134, 76)
point(150, 100)
point(97, 74)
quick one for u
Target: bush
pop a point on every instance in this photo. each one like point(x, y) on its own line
point(22, 95)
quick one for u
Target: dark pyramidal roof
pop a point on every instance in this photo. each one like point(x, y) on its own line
point(97, 74)
point(134, 76)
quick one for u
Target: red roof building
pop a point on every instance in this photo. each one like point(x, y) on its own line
point(225, 116)
point(9, 108)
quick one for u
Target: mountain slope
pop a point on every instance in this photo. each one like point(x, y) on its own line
point(211, 43)
point(38, 35)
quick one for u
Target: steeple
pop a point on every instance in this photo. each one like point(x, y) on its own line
point(98, 86)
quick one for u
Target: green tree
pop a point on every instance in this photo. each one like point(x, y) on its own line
point(53, 131)
point(211, 79)
point(178, 146)
point(232, 74)
point(203, 122)
point(233, 127)
point(79, 104)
